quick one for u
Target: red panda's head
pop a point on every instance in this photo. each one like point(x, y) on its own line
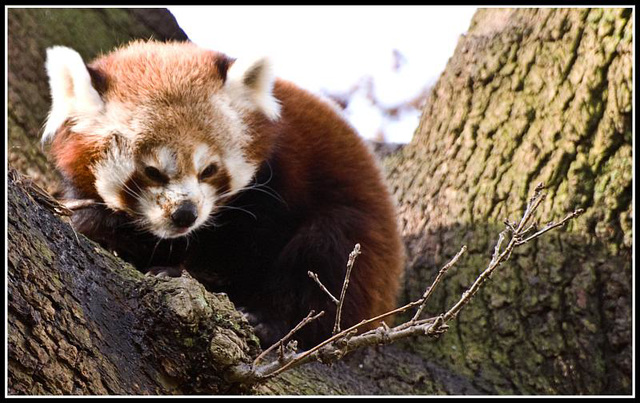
point(160, 131)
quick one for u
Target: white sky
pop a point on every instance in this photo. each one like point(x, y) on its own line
point(330, 48)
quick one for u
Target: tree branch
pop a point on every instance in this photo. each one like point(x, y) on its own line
point(429, 291)
point(342, 342)
point(352, 259)
point(315, 278)
point(307, 319)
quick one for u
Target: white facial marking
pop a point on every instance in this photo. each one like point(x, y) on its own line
point(240, 170)
point(202, 157)
point(163, 159)
point(153, 211)
point(167, 161)
point(185, 189)
point(111, 174)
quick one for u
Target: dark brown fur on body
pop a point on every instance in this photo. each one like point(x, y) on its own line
point(317, 192)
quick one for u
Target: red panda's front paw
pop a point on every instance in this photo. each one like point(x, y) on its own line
point(164, 271)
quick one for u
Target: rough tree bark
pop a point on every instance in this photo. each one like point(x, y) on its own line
point(530, 95)
point(550, 88)
point(81, 321)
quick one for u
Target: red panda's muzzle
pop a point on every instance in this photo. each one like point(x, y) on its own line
point(185, 215)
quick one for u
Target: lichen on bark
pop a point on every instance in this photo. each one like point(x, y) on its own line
point(530, 95)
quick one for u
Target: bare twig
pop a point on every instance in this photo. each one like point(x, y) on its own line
point(499, 257)
point(343, 333)
point(341, 342)
point(429, 291)
point(303, 322)
point(533, 225)
point(496, 249)
point(551, 226)
point(77, 204)
point(352, 259)
point(314, 276)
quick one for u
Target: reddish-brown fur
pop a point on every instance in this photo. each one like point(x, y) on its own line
point(73, 154)
point(333, 192)
point(328, 165)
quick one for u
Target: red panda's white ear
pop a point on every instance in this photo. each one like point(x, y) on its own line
point(250, 85)
point(72, 92)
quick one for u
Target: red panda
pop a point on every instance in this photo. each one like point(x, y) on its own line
point(206, 164)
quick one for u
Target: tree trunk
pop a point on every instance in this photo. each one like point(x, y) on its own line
point(550, 88)
point(530, 95)
point(81, 321)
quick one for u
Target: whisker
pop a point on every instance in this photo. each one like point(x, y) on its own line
point(257, 187)
point(275, 194)
point(127, 188)
point(261, 187)
point(220, 208)
point(211, 222)
point(154, 251)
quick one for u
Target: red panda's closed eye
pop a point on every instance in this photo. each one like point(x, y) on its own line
point(155, 175)
point(209, 171)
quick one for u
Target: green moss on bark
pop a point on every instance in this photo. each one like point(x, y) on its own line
point(530, 95)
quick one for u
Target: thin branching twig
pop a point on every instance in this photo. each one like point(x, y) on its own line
point(501, 256)
point(315, 278)
point(279, 343)
point(352, 259)
point(341, 342)
point(551, 226)
point(429, 291)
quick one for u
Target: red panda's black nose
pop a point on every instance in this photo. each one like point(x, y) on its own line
point(185, 214)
